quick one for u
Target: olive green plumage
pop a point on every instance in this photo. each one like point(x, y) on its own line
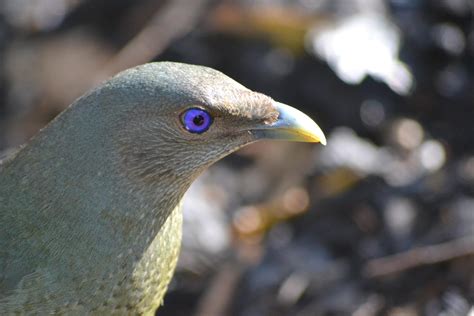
point(90, 208)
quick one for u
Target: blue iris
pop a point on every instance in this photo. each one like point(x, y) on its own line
point(196, 120)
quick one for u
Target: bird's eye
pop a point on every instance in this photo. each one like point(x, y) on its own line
point(196, 120)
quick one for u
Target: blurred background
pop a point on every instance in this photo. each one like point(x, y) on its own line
point(378, 222)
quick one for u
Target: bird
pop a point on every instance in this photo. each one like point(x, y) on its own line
point(90, 207)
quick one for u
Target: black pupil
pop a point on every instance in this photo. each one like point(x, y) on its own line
point(198, 120)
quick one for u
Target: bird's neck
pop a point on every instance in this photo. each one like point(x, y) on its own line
point(73, 175)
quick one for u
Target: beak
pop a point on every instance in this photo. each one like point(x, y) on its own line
point(291, 125)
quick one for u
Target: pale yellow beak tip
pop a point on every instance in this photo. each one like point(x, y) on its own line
point(297, 125)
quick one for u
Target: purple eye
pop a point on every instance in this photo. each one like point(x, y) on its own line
point(196, 120)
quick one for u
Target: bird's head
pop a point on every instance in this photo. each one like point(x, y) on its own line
point(177, 119)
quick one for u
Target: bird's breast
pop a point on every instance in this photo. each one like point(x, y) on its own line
point(142, 292)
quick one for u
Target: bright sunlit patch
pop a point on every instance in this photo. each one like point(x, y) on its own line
point(363, 45)
point(408, 133)
point(432, 155)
